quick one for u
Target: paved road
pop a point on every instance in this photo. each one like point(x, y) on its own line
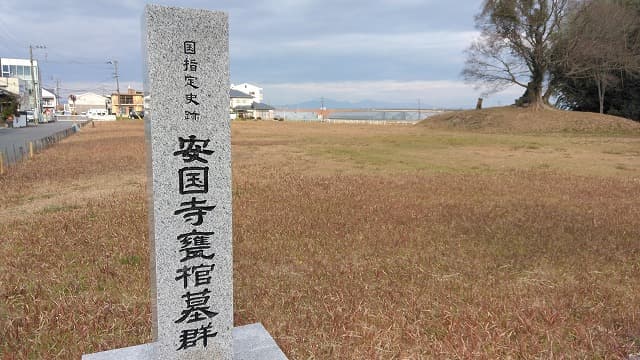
point(12, 140)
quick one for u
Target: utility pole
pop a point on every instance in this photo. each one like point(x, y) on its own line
point(57, 94)
point(35, 90)
point(322, 108)
point(116, 76)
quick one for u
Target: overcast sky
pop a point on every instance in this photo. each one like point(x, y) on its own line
point(400, 51)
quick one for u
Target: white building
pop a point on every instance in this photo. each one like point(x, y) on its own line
point(89, 100)
point(256, 110)
point(49, 102)
point(244, 106)
point(21, 69)
point(254, 91)
point(239, 98)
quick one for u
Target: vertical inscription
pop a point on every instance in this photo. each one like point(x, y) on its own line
point(190, 68)
point(194, 248)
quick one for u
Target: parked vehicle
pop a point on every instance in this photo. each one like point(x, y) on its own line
point(136, 114)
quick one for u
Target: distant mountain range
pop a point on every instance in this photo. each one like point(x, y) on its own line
point(364, 104)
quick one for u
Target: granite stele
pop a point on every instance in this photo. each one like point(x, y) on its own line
point(188, 136)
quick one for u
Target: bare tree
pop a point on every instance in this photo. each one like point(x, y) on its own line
point(491, 64)
point(601, 41)
point(515, 46)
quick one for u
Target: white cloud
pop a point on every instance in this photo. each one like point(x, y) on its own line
point(360, 44)
point(371, 42)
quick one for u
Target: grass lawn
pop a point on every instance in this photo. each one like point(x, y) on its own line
point(456, 238)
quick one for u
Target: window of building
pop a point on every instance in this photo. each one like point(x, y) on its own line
point(26, 72)
point(5, 70)
point(126, 99)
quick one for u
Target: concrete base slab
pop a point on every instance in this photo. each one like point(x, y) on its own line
point(250, 342)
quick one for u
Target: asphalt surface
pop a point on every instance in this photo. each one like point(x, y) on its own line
point(14, 141)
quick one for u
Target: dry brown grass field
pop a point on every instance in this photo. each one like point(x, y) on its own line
point(463, 237)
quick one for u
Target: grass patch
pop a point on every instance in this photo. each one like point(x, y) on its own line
point(350, 242)
point(133, 260)
point(58, 208)
point(529, 146)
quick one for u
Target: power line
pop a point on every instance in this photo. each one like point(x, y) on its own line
point(74, 62)
point(8, 35)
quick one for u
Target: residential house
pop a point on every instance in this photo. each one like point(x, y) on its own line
point(8, 100)
point(244, 105)
point(238, 98)
point(254, 91)
point(127, 103)
point(9, 93)
point(256, 110)
point(49, 101)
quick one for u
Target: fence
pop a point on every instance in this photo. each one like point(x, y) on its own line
point(71, 118)
point(12, 156)
point(360, 116)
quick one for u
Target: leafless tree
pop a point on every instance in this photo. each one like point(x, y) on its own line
point(601, 41)
point(515, 46)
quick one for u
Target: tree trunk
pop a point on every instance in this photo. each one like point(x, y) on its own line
point(534, 88)
point(600, 95)
point(535, 98)
point(479, 104)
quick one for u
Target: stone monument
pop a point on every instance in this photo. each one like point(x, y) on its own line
point(187, 129)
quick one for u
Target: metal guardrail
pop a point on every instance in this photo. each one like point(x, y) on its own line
point(11, 157)
point(71, 118)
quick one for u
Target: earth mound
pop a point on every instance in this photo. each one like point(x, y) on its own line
point(511, 119)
